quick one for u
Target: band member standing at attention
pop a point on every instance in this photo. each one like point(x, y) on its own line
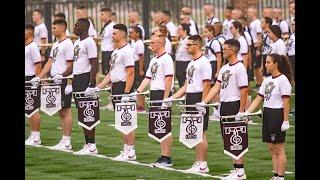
point(232, 84)
point(60, 65)
point(209, 12)
point(266, 42)
point(275, 93)
point(32, 67)
point(160, 77)
point(197, 86)
point(121, 75)
point(81, 12)
point(40, 33)
point(137, 46)
point(291, 47)
point(85, 68)
point(237, 30)
point(277, 46)
point(182, 56)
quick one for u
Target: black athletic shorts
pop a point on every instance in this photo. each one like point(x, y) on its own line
point(28, 78)
point(227, 109)
point(157, 95)
point(137, 78)
point(80, 83)
point(105, 64)
point(256, 59)
point(214, 70)
point(271, 126)
point(118, 88)
point(193, 98)
point(181, 68)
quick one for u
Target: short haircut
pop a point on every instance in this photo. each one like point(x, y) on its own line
point(29, 27)
point(121, 27)
point(229, 7)
point(106, 10)
point(85, 22)
point(60, 22)
point(166, 12)
point(113, 14)
point(238, 25)
point(234, 44)
point(185, 27)
point(82, 7)
point(60, 15)
point(218, 27)
point(268, 20)
point(197, 39)
point(38, 11)
point(161, 37)
point(275, 29)
point(135, 10)
point(210, 27)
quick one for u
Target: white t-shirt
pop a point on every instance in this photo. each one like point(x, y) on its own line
point(106, 43)
point(248, 38)
point(198, 71)
point(138, 48)
point(61, 52)
point(32, 57)
point(278, 47)
point(182, 53)
point(221, 39)
point(212, 20)
point(142, 30)
point(40, 31)
point(212, 44)
point(193, 27)
point(226, 29)
point(84, 50)
point(54, 39)
point(232, 78)
point(159, 68)
point(92, 31)
point(168, 46)
point(243, 48)
point(171, 28)
point(255, 28)
point(273, 89)
point(282, 24)
point(266, 42)
point(291, 45)
point(121, 58)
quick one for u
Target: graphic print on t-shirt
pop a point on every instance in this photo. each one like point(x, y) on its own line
point(154, 69)
point(113, 60)
point(190, 74)
point(225, 78)
point(76, 53)
point(54, 54)
point(269, 88)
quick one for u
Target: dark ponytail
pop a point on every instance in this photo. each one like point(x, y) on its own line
point(284, 66)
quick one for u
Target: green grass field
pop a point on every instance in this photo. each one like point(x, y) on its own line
point(42, 163)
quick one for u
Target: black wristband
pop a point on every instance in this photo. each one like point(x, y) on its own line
point(125, 93)
point(91, 85)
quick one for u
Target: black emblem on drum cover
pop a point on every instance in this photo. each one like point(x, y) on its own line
point(50, 99)
point(76, 53)
point(190, 74)
point(29, 100)
point(154, 69)
point(235, 139)
point(269, 88)
point(88, 111)
point(54, 54)
point(126, 116)
point(114, 56)
point(159, 123)
point(191, 129)
point(225, 78)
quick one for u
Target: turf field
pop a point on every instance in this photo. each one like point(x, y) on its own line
point(42, 163)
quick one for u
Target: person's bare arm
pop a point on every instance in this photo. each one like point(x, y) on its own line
point(141, 64)
point(181, 91)
point(38, 68)
point(243, 98)
point(129, 79)
point(46, 69)
point(286, 104)
point(144, 84)
point(69, 69)
point(94, 69)
point(213, 92)
point(168, 84)
point(255, 103)
point(105, 81)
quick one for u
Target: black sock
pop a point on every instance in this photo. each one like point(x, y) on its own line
point(166, 157)
point(275, 174)
point(91, 140)
point(281, 176)
point(86, 138)
point(238, 165)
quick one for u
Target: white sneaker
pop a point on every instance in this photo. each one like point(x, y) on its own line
point(126, 156)
point(62, 146)
point(31, 141)
point(110, 106)
point(238, 173)
point(199, 167)
point(88, 149)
